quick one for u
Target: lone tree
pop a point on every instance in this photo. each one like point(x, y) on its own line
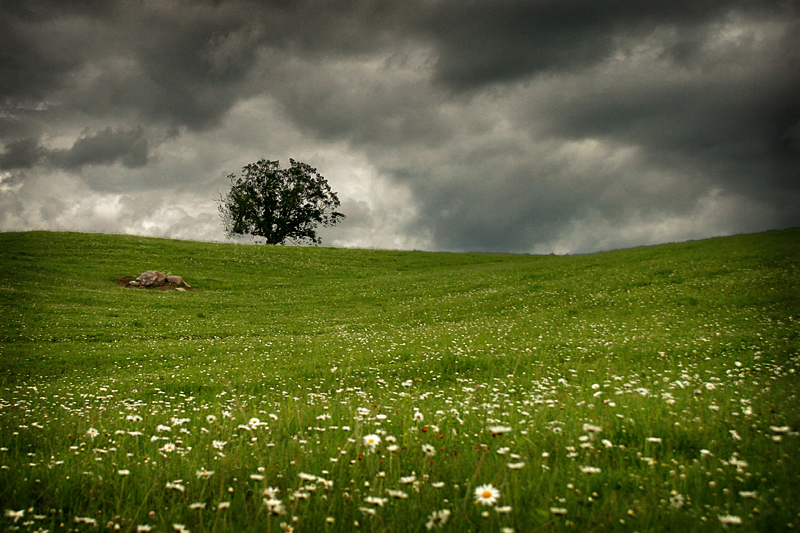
point(279, 204)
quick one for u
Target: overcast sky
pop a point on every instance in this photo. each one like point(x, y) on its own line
point(532, 126)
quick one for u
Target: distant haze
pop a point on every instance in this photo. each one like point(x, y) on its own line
point(490, 125)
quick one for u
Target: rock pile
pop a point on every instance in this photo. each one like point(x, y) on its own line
point(153, 279)
point(150, 278)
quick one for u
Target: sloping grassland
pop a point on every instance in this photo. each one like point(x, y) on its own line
point(645, 389)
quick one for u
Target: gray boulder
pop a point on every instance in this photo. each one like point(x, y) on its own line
point(177, 280)
point(151, 277)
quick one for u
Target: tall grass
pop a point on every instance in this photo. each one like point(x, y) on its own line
point(318, 389)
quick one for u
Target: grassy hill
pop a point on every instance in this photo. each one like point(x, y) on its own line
point(645, 389)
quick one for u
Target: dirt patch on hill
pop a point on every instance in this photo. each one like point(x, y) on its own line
point(126, 282)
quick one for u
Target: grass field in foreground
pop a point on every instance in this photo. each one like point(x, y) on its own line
point(319, 389)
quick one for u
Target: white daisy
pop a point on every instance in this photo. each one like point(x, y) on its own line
point(176, 486)
point(677, 501)
point(438, 518)
point(428, 450)
point(204, 474)
point(372, 440)
point(486, 494)
point(274, 506)
point(374, 500)
point(730, 519)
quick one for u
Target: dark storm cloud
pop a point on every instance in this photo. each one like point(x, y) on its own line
point(26, 70)
point(481, 42)
point(21, 153)
point(171, 62)
point(704, 92)
point(182, 63)
point(744, 99)
point(504, 125)
point(106, 147)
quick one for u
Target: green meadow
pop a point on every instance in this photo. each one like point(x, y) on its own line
point(323, 389)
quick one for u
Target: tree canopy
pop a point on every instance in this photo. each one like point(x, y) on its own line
point(279, 204)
